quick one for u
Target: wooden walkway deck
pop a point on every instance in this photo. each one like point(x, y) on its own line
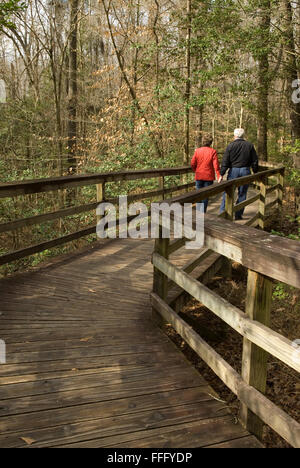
point(88, 368)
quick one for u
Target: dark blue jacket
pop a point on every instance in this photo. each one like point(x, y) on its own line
point(240, 153)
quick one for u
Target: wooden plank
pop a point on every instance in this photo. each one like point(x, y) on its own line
point(270, 205)
point(22, 253)
point(218, 430)
point(160, 416)
point(280, 189)
point(13, 189)
point(39, 219)
point(216, 189)
point(253, 221)
point(86, 369)
point(194, 435)
point(204, 273)
point(194, 263)
point(56, 389)
point(282, 423)
point(273, 188)
point(257, 333)
point(152, 194)
point(254, 362)
point(278, 420)
point(244, 443)
point(100, 190)
point(176, 245)
point(246, 203)
point(28, 251)
point(262, 203)
point(91, 351)
point(226, 373)
point(100, 402)
point(229, 205)
point(274, 256)
point(160, 281)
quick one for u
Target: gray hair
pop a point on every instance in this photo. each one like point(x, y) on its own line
point(239, 132)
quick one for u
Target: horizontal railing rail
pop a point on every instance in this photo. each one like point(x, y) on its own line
point(267, 258)
point(29, 187)
point(14, 189)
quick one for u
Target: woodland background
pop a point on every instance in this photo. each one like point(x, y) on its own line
point(105, 85)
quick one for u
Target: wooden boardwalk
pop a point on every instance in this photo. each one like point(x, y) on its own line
point(86, 366)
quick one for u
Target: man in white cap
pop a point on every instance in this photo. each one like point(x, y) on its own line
point(240, 156)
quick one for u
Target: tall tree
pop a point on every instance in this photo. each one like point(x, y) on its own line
point(291, 67)
point(73, 86)
point(264, 21)
point(188, 84)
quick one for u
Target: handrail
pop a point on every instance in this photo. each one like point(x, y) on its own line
point(27, 187)
point(267, 257)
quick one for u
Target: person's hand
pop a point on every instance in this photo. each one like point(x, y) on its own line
point(220, 179)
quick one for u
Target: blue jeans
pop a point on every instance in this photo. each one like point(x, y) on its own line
point(235, 173)
point(202, 184)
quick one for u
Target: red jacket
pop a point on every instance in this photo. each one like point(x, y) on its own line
point(205, 164)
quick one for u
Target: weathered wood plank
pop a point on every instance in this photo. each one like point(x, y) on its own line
point(129, 377)
point(267, 339)
point(254, 362)
point(246, 203)
point(121, 424)
point(274, 256)
point(281, 422)
point(26, 187)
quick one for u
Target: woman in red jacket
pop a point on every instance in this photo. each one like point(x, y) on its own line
point(205, 164)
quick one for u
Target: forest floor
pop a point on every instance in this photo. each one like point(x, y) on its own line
point(283, 383)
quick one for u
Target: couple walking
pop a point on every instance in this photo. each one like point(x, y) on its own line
point(240, 156)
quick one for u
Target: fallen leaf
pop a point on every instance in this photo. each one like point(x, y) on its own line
point(85, 340)
point(27, 440)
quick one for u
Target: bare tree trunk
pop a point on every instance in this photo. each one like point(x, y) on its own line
point(263, 81)
point(73, 88)
point(126, 79)
point(188, 84)
point(157, 54)
point(291, 69)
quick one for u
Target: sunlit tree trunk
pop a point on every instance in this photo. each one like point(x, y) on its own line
point(263, 80)
point(73, 87)
point(188, 84)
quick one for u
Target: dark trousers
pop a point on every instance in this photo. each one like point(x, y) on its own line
point(235, 173)
point(201, 184)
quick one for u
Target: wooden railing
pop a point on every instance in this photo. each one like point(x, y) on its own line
point(29, 187)
point(267, 258)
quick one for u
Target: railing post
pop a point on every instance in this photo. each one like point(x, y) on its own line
point(262, 203)
point(280, 189)
point(100, 196)
point(162, 185)
point(229, 205)
point(160, 281)
point(254, 364)
point(229, 210)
